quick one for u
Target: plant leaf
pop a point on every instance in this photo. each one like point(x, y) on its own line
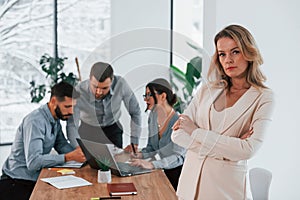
point(197, 48)
point(103, 163)
point(189, 76)
point(53, 68)
point(196, 62)
point(178, 73)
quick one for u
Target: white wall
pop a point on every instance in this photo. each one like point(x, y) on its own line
point(276, 27)
point(140, 48)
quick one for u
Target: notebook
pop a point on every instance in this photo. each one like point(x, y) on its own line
point(93, 150)
point(71, 164)
point(118, 189)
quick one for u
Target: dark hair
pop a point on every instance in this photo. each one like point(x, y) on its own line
point(62, 90)
point(101, 71)
point(161, 85)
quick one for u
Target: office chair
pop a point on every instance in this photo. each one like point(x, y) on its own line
point(260, 180)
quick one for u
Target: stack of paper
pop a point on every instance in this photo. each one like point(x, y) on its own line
point(62, 182)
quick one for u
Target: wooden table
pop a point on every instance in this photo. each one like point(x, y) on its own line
point(154, 185)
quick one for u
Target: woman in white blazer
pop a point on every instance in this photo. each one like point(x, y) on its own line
point(226, 121)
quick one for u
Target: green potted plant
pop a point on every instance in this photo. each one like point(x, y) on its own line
point(104, 173)
point(53, 67)
point(103, 163)
point(189, 79)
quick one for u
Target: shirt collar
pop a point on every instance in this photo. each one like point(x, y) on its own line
point(49, 116)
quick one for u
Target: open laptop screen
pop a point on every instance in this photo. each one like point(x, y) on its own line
point(94, 150)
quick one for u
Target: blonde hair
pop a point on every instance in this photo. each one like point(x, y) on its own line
point(249, 50)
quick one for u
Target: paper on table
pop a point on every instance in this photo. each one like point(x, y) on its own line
point(70, 164)
point(66, 171)
point(62, 182)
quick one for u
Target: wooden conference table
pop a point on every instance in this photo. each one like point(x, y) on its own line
point(154, 185)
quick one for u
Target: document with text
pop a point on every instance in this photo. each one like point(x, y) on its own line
point(63, 182)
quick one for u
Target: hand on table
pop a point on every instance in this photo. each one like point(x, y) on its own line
point(76, 155)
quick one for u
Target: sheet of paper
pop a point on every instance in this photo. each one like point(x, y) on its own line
point(62, 182)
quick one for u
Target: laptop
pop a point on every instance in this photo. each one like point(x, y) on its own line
point(93, 150)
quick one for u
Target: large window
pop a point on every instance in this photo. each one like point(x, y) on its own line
point(27, 32)
point(82, 27)
point(187, 49)
point(188, 31)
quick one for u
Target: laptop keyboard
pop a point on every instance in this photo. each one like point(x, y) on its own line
point(127, 168)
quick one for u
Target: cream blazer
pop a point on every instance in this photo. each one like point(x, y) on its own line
point(215, 166)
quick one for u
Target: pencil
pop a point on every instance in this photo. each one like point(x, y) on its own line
point(55, 168)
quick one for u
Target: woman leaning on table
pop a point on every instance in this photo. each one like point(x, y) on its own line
point(160, 99)
point(226, 121)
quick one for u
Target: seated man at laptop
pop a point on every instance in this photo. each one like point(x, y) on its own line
point(39, 132)
point(160, 99)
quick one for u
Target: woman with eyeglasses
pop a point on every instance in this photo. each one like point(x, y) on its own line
point(160, 99)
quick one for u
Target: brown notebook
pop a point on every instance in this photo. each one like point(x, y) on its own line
point(117, 189)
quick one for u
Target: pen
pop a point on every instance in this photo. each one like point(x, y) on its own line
point(103, 198)
point(133, 149)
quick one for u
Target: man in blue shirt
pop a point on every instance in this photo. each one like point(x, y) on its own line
point(98, 110)
point(39, 132)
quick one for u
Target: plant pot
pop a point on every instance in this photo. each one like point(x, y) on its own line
point(104, 176)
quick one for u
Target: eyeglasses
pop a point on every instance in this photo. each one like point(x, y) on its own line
point(147, 96)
